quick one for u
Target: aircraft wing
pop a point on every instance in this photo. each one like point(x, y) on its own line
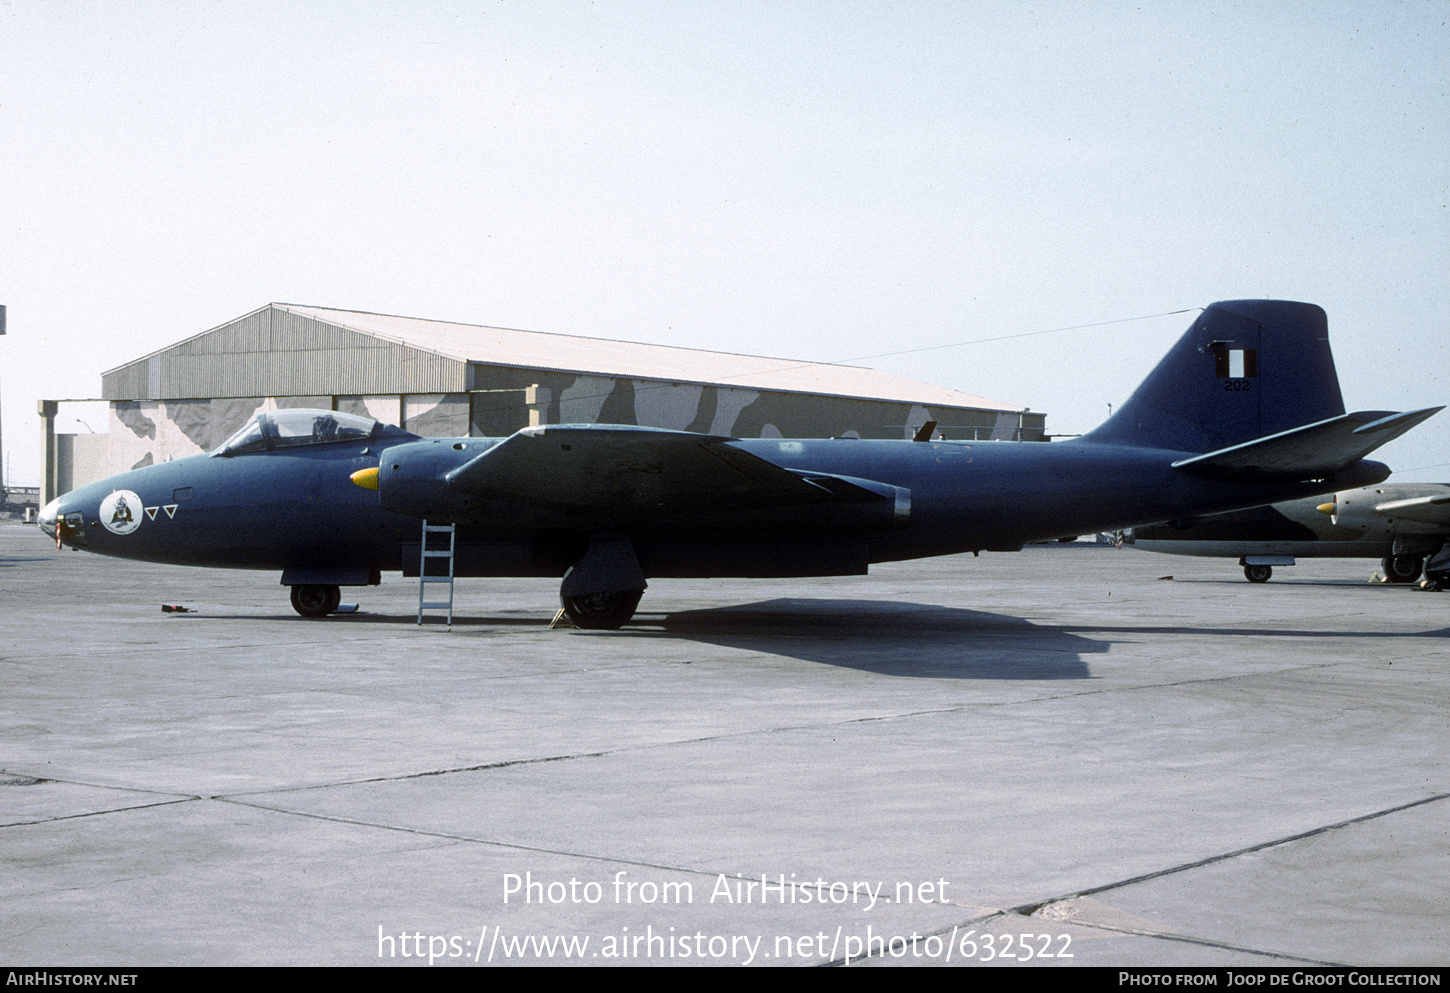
point(1432, 509)
point(1309, 452)
point(589, 472)
point(1413, 503)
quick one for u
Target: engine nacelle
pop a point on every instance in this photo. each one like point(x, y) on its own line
point(1407, 509)
point(410, 478)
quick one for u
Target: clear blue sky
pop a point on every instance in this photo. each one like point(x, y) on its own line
point(823, 181)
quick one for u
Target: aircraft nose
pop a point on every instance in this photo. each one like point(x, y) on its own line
point(48, 515)
point(63, 521)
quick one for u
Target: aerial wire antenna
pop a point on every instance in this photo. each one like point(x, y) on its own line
point(882, 355)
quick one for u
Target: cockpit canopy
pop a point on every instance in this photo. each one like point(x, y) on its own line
point(299, 426)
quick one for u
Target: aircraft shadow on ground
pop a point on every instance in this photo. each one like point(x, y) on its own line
point(886, 637)
point(883, 636)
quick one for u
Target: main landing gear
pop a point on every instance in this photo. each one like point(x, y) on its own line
point(1258, 573)
point(315, 601)
point(1402, 568)
point(601, 611)
point(590, 612)
point(601, 591)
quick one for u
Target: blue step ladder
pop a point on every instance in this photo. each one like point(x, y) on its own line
point(435, 552)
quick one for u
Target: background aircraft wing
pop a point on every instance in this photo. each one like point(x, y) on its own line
point(1431, 509)
point(1309, 452)
point(1412, 503)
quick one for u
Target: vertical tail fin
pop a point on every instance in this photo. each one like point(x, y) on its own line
point(1245, 369)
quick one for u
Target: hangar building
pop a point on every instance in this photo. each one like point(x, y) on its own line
point(441, 379)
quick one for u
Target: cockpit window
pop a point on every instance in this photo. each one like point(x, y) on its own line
point(297, 426)
point(249, 439)
point(318, 427)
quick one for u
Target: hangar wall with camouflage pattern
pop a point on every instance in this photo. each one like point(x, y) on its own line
point(265, 356)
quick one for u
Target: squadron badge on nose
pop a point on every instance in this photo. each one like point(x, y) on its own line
point(121, 512)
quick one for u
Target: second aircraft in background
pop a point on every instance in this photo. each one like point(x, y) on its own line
point(1404, 525)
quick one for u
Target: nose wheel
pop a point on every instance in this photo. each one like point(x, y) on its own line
point(315, 601)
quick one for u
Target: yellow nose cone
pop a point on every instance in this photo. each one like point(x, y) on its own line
point(1323, 508)
point(366, 478)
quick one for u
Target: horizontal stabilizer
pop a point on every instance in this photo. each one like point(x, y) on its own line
point(597, 474)
point(1314, 451)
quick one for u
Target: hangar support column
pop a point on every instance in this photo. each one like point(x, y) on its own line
point(47, 410)
point(537, 398)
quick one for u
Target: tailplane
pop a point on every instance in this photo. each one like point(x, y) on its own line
point(1314, 451)
point(1244, 370)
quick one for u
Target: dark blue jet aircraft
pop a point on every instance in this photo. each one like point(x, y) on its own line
point(1245, 410)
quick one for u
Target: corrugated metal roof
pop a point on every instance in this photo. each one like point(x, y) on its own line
point(632, 360)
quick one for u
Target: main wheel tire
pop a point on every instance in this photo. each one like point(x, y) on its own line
point(1402, 568)
point(315, 601)
point(602, 611)
point(1258, 573)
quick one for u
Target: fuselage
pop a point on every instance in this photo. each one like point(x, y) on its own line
point(295, 508)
